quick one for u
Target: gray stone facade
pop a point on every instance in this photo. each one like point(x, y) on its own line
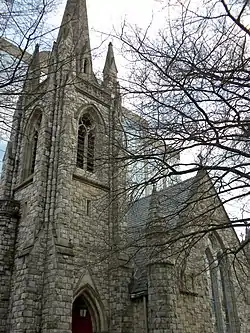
point(60, 225)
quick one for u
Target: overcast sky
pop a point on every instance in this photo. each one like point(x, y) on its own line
point(106, 16)
point(103, 15)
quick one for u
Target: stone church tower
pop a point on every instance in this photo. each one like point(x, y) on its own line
point(60, 226)
point(57, 210)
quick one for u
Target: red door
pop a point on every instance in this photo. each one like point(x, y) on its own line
point(81, 319)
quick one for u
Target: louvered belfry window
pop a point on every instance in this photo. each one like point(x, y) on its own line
point(86, 143)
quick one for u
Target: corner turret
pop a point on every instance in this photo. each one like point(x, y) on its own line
point(160, 271)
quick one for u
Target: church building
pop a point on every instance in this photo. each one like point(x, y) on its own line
point(75, 255)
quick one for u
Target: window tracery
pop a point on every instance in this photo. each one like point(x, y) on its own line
point(86, 143)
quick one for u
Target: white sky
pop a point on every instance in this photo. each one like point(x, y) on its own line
point(107, 16)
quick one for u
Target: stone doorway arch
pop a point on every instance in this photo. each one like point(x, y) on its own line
point(88, 315)
point(81, 316)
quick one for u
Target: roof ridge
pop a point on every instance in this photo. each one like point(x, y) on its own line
point(165, 189)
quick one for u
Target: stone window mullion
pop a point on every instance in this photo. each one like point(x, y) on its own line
point(86, 143)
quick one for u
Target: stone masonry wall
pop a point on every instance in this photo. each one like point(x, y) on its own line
point(27, 282)
point(196, 302)
point(138, 325)
point(9, 212)
point(195, 299)
point(87, 234)
point(161, 297)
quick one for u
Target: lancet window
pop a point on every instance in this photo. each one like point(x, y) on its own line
point(222, 290)
point(30, 152)
point(215, 292)
point(85, 66)
point(86, 143)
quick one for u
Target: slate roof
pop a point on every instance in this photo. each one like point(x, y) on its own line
point(170, 202)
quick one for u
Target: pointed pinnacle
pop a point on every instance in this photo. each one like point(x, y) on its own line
point(35, 63)
point(34, 71)
point(110, 65)
point(75, 20)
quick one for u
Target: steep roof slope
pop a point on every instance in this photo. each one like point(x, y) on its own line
point(170, 203)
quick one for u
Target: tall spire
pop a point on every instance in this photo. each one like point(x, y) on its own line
point(75, 19)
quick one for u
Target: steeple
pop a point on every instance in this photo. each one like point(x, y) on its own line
point(75, 20)
point(110, 69)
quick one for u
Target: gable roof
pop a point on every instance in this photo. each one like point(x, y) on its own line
point(170, 203)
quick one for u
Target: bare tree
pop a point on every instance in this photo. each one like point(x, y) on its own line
point(22, 25)
point(189, 93)
point(189, 86)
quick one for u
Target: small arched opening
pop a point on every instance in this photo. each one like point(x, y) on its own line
point(85, 66)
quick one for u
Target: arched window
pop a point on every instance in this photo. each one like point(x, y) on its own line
point(82, 63)
point(222, 289)
point(215, 292)
point(226, 292)
point(85, 66)
point(86, 143)
point(30, 152)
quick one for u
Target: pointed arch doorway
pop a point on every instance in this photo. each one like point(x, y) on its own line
point(88, 315)
point(81, 316)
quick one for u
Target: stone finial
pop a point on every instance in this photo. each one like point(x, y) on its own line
point(158, 250)
point(52, 58)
